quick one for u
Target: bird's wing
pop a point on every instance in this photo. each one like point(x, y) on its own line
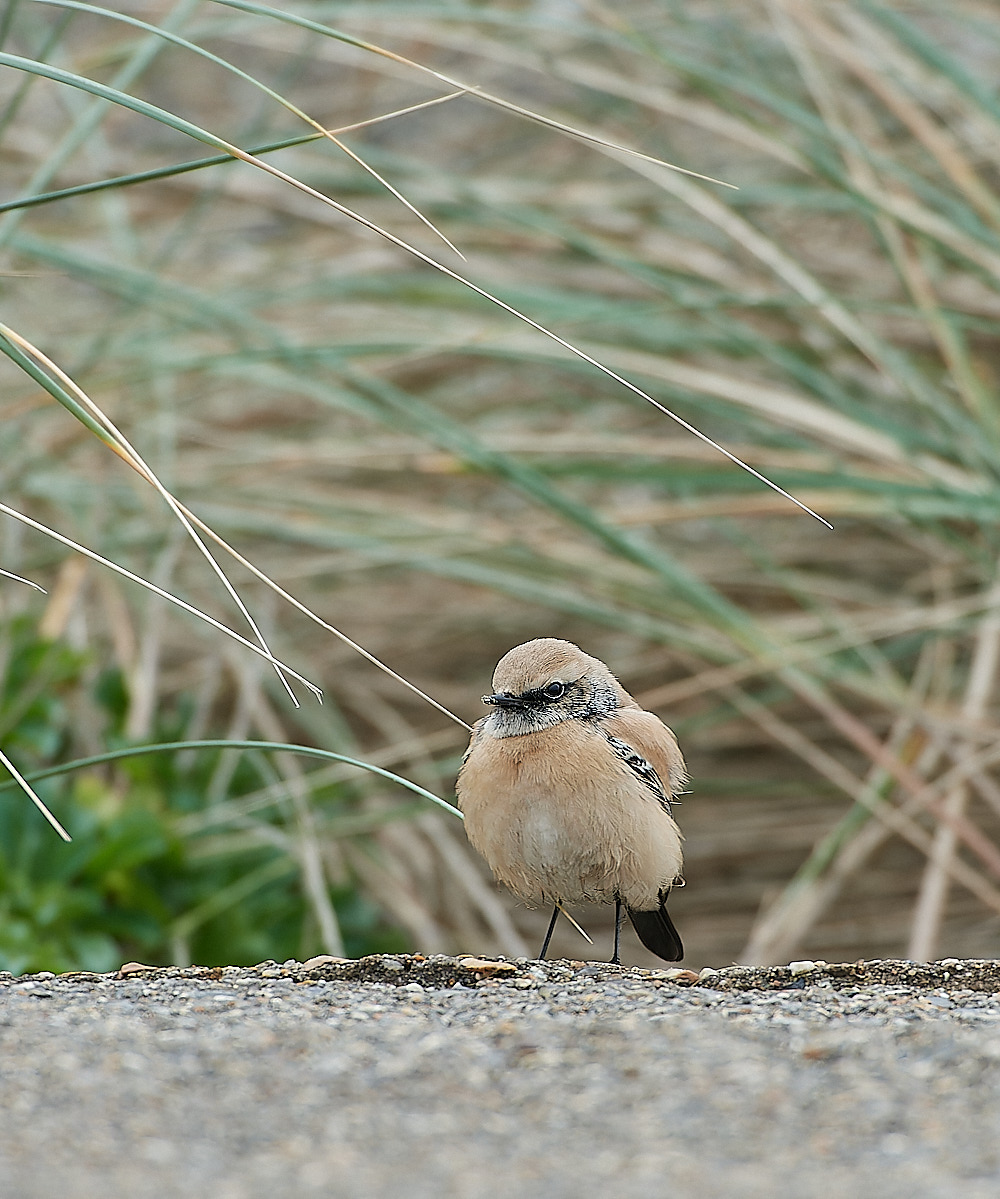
point(639, 767)
point(650, 740)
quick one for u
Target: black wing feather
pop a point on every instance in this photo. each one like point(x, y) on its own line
point(654, 929)
point(640, 768)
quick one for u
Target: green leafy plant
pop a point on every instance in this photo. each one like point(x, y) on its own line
point(145, 877)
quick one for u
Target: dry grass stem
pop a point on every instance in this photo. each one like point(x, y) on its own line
point(447, 462)
point(30, 792)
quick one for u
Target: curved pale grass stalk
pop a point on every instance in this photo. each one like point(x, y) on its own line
point(307, 843)
point(780, 406)
point(854, 52)
point(212, 139)
point(906, 208)
point(289, 598)
point(933, 895)
point(9, 574)
point(925, 796)
point(183, 168)
point(116, 441)
point(12, 769)
point(779, 929)
point(88, 120)
point(889, 202)
point(898, 819)
point(121, 446)
point(396, 112)
point(232, 810)
point(26, 787)
point(661, 99)
point(470, 89)
point(801, 652)
point(79, 6)
point(566, 345)
point(785, 267)
point(173, 599)
point(308, 751)
point(388, 186)
point(863, 739)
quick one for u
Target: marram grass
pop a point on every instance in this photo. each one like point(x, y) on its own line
point(439, 480)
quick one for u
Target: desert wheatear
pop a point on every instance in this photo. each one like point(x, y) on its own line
point(566, 790)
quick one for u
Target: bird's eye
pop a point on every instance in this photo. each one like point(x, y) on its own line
point(554, 690)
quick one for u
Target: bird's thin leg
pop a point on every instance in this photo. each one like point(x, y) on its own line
point(616, 960)
point(548, 935)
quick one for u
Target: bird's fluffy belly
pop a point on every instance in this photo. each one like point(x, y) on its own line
point(546, 841)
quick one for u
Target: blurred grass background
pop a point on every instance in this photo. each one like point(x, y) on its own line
point(441, 482)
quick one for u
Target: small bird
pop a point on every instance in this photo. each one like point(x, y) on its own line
point(566, 789)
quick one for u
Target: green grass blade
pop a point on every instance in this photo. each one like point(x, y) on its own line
point(167, 172)
point(262, 746)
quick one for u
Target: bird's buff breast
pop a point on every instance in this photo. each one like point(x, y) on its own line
point(556, 819)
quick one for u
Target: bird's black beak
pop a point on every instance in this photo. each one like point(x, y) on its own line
point(504, 699)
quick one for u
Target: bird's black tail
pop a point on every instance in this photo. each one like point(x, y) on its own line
point(656, 931)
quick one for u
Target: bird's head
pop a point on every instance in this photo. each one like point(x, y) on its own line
point(541, 683)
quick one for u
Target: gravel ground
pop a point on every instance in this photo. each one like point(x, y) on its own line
point(450, 1077)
